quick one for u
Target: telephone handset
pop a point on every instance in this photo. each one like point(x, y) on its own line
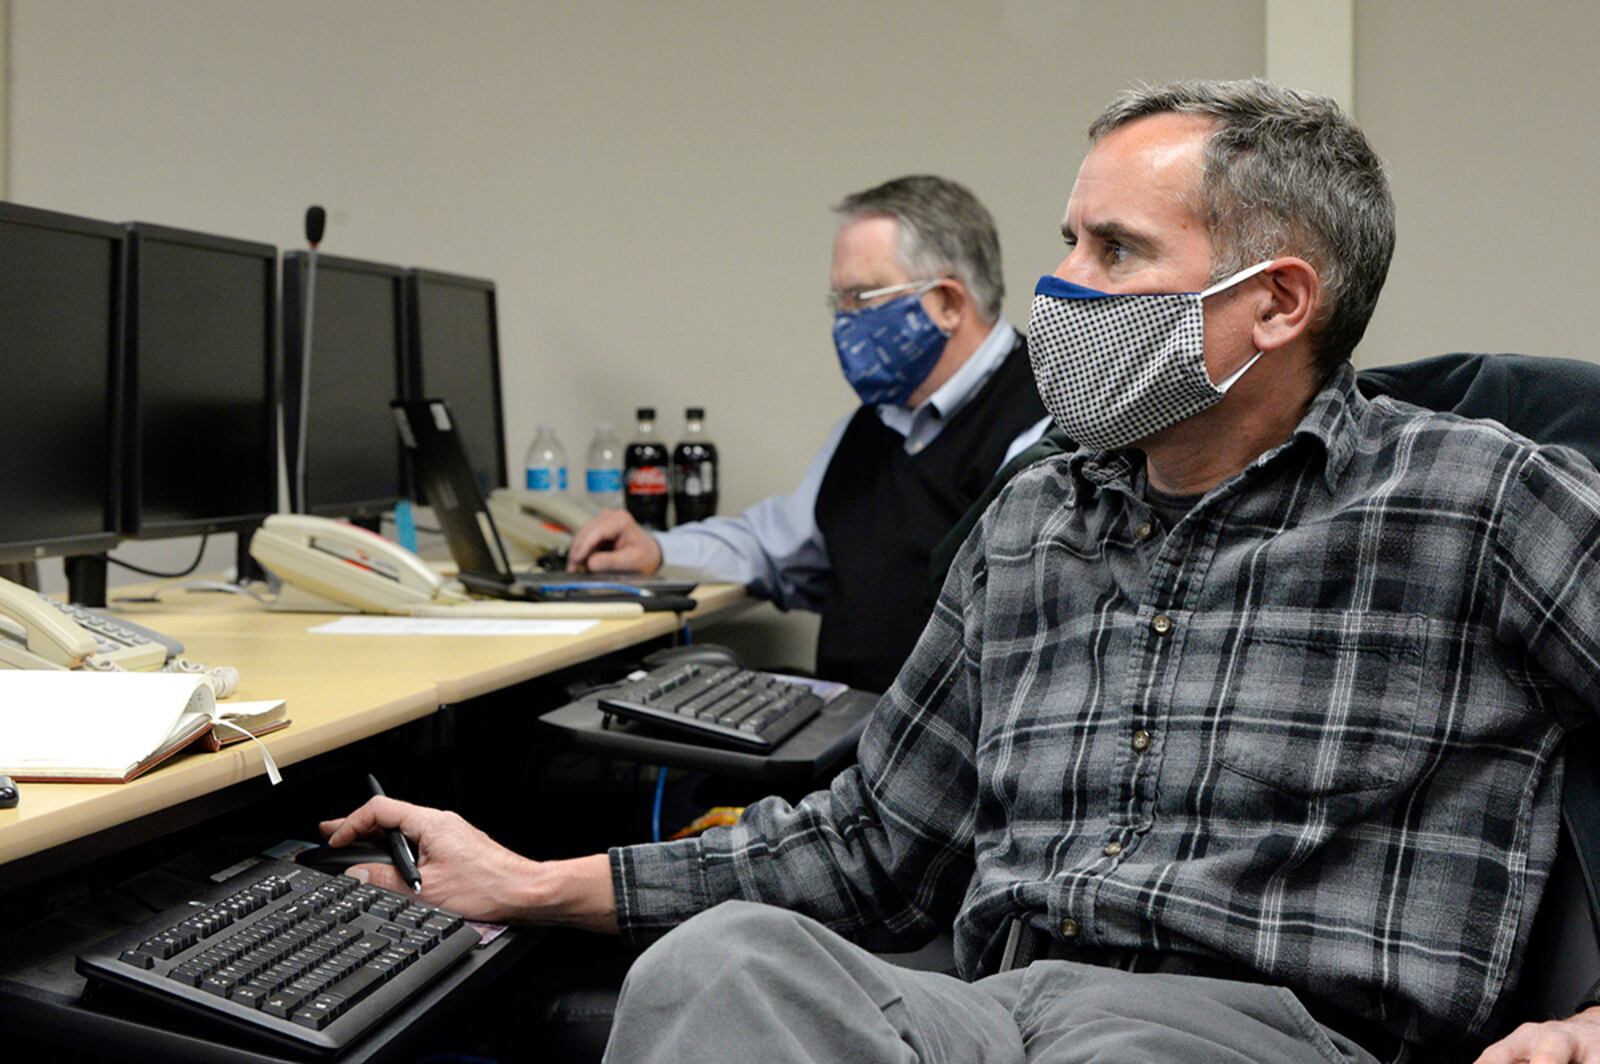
point(536, 523)
point(36, 633)
point(335, 567)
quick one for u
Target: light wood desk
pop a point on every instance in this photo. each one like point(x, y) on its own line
point(340, 689)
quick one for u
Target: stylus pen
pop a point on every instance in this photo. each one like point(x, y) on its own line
point(398, 846)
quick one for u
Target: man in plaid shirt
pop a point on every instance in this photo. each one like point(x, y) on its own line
point(1250, 716)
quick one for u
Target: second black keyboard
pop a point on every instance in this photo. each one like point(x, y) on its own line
point(719, 704)
point(302, 958)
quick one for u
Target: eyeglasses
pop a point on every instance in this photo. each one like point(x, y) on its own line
point(852, 299)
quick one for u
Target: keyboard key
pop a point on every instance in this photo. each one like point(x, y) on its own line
point(137, 959)
point(442, 923)
point(317, 1013)
point(250, 995)
point(188, 974)
point(218, 985)
point(282, 1003)
point(419, 941)
point(357, 985)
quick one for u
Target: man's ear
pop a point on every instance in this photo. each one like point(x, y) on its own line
point(1293, 292)
point(949, 304)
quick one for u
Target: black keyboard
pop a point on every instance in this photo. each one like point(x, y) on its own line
point(719, 704)
point(299, 957)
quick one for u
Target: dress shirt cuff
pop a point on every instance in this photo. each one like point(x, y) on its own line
point(679, 550)
point(658, 886)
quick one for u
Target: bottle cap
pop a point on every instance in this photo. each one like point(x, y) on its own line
point(695, 413)
point(645, 413)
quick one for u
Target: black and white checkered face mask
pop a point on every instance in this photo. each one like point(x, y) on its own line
point(1114, 368)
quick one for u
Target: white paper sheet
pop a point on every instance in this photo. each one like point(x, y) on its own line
point(451, 626)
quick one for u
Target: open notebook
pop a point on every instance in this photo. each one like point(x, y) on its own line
point(108, 727)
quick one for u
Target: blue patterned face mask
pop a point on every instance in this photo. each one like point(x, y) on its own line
point(886, 352)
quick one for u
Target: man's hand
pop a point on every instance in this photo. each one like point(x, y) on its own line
point(611, 542)
point(1570, 1041)
point(467, 872)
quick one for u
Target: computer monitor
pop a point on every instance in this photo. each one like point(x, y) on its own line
point(455, 356)
point(60, 383)
point(201, 414)
point(353, 463)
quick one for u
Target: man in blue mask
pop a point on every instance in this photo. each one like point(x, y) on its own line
point(947, 396)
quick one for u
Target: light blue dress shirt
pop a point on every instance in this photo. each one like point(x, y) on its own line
point(774, 548)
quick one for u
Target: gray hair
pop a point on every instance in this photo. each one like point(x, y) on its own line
point(944, 230)
point(1286, 172)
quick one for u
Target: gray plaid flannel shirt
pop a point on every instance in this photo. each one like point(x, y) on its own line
point(1313, 729)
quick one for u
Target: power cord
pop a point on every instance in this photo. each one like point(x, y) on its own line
point(164, 576)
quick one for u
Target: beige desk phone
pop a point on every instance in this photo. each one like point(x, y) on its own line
point(36, 633)
point(332, 566)
point(535, 523)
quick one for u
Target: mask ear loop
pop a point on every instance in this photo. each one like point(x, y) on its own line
point(1238, 278)
point(1233, 378)
point(1223, 285)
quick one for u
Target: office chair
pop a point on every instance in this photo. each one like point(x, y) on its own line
point(1530, 395)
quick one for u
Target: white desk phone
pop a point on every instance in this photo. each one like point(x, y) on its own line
point(330, 566)
point(37, 633)
point(536, 523)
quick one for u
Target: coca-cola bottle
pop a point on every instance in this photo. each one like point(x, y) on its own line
point(644, 474)
point(694, 470)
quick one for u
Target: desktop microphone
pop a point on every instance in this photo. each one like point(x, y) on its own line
point(316, 222)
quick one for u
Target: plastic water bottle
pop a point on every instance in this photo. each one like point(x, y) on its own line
point(602, 475)
point(545, 464)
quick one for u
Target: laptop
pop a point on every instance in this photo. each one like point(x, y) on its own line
point(439, 461)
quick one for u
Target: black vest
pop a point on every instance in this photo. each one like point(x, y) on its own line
point(882, 511)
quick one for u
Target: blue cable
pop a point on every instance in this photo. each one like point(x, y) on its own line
point(655, 814)
point(661, 770)
point(597, 585)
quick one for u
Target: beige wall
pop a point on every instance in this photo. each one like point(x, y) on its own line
point(648, 183)
point(1483, 112)
point(5, 88)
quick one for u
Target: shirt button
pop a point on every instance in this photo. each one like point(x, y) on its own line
point(1141, 741)
point(1070, 928)
point(1144, 531)
point(1161, 624)
point(1112, 849)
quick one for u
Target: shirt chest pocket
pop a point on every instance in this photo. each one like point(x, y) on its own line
point(1324, 711)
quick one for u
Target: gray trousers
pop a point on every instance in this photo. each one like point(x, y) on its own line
point(747, 983)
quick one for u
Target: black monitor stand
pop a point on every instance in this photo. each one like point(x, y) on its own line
point(23, 573)
point(246, 569)
point(86, 579)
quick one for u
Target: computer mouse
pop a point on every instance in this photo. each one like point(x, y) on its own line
point(697, 654)
point(335, 861)
point(8, 792)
